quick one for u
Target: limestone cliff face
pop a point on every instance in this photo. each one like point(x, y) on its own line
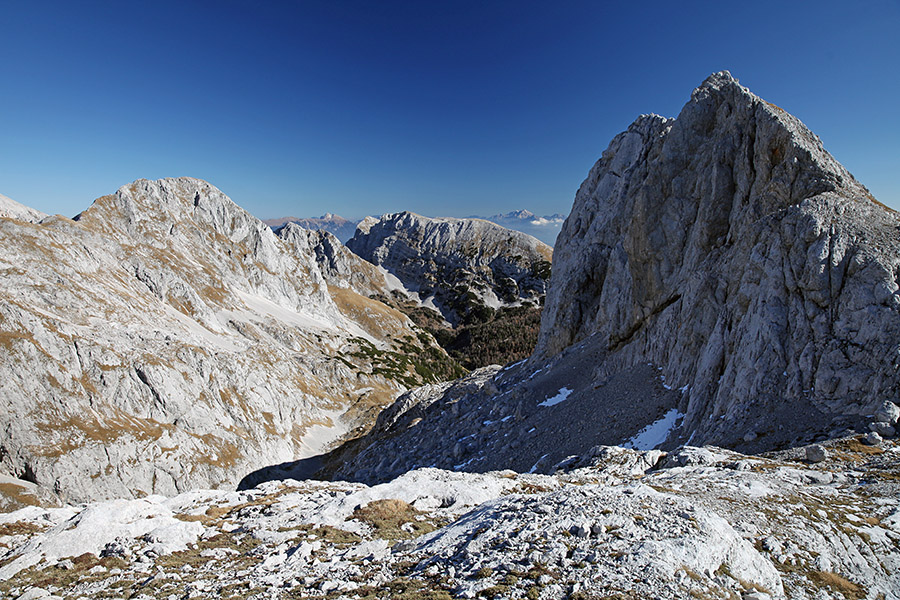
point(338, 265)
point(166, 339)
point(729, 248)
point(721, 279)
point(459, 264)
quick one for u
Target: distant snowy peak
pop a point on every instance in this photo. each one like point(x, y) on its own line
point(516, 214)
point(10, 209)
point(544, 228)
point(341, 228)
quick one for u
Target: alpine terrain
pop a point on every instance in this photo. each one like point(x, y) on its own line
point(711, 410)
point(343, 229)
point(721, 279)
point(165, 339)
point(477, 286)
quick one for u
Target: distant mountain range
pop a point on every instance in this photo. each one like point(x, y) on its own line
point(544, 228)
point(343, 229)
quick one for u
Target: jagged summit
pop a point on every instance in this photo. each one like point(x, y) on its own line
point(730, 248)
point(721, 279)
point(460, 264)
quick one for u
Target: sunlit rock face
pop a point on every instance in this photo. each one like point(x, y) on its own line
point(721, 279)
point(166, 339)
point(460, 266)
point(730, 249)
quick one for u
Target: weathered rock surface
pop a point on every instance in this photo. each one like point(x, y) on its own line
point(521, 417)
point(338, 265)
point(616, 524)
point(730, 249)
point(463, 266)
point(166, 339)
point(10, 209)
point(721, 278)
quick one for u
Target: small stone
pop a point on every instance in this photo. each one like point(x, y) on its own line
point(883, 428)
point(888, 413)
point(33, 594)
point(755, 595)
point(598, 529)
point(816, 453)
point(872, 439)
point(750, 436)
point(583, 530)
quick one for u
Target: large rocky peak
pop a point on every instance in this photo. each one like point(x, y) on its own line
point(166, 339)
point(730, 249)
point(721, 279)
point(459, 264)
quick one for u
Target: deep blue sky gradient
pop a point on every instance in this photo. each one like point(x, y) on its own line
point(444, 108)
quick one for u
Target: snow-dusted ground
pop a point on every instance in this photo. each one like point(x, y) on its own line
point(709, 524)
point(320, 436)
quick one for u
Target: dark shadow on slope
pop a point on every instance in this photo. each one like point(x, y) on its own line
point(299, 469)
point(319, 467)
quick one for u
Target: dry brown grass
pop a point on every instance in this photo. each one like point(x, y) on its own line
point(373, 316)
point(837, 583)
point(16, 496)
point(857, 445)
point(19, 528)
point(388, 516)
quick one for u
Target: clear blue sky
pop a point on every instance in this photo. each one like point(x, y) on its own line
point(444, 108)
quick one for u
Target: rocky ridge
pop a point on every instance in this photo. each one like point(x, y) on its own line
point(463, 267)
point(10, 209)
point(165, 339)
point(616, 523)
point(343, 229)
point(720, 279)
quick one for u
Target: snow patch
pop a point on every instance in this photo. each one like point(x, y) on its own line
point(561, 396)
point(655, 433)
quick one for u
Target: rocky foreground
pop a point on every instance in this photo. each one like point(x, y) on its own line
point(617, 523)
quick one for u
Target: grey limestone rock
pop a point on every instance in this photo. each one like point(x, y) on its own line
point(729, 248)
point(721, 279)
point(816, 453)
point(883, 429)
point(10, 209)
point(166, 339)
point(458, 264)
point(343, 229)
point(888, 413)
point(872, 438)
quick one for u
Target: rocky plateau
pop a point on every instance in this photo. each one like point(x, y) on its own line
point(614, 524)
